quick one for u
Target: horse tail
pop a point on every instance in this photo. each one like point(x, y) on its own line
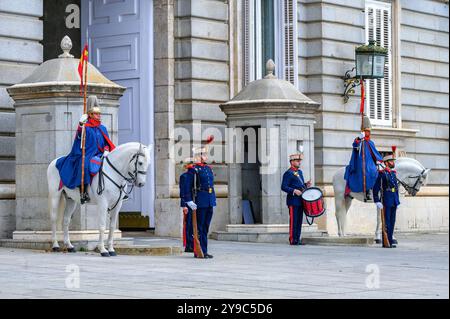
point(55, 202)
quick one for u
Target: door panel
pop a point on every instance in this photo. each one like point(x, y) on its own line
point(120, 45)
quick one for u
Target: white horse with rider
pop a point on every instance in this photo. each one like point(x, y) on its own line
point(410, 174)
point(122, 169)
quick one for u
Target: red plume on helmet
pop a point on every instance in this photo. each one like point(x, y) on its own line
point(209, 139)
point(394, 148)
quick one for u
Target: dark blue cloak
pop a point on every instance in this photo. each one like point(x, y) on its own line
point(354, 171)
point(97, 139)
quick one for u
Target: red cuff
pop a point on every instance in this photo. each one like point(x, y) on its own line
point(357, 141)
point(106, 148)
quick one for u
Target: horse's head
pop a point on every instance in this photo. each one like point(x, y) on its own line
point(138, 165)
point(411, 174)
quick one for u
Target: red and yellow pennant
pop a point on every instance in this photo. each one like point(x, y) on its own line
point(81, 66)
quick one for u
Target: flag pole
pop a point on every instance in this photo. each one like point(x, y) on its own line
point(363, 150)
point(83, 134)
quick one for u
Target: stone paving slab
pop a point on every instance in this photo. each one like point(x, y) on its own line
point(418, 268)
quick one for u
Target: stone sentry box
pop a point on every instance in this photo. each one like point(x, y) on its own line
point(270, 103)
point(48, 106)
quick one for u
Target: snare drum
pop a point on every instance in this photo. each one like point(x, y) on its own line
point(313, 202)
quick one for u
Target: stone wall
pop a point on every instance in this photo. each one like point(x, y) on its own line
point(329, 31)
point(424, 82)
point(200, 79)
point(20, 52)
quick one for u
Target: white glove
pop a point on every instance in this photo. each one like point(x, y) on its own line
point(105, 153)
point(381, 167)
point(362, 135)
point(83, 119)
point(379, 205)
point(192, 205)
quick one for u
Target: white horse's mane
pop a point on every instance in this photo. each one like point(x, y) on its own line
point(411, 160)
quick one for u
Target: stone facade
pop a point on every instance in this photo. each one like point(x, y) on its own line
point(198, 51)
point(20, 53)
point(329, 31)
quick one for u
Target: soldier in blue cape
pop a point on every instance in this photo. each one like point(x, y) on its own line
point(385, 194)
point(364, 151)
point(202, 196)
point(294, 184)
point(188, 236)
point(97, 144)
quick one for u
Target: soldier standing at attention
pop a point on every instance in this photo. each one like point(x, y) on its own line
point(294, 184)
point(385, 194)
point(202, 197)
point(188, 239)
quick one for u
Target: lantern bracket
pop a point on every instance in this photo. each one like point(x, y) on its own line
point(350, 83)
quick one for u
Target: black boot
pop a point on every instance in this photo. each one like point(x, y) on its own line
point(84, 197)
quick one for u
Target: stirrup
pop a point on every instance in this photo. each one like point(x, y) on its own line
point(84, 198)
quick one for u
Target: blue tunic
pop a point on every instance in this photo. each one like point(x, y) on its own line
point(292, 180)
point(206, 196)
point(386, 186)
point(69, 166)
point(354, 171)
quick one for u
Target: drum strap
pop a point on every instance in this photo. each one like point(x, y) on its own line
point(307, 220)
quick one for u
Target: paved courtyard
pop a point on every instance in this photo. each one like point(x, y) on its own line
point(418, 268)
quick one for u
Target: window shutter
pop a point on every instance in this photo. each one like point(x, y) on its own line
point(247, 43)
point(290, 40)
point(379, 92)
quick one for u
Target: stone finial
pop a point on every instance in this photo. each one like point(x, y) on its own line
point(270, 67)
point(66, 46)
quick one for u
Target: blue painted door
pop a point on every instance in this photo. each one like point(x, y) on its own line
point(121, 46)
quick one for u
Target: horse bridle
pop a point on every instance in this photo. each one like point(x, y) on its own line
point(131, 180)
point(412, 189)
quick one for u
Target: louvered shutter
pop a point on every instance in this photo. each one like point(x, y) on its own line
point(247, 43)
point(290, 40)
point(379, 92)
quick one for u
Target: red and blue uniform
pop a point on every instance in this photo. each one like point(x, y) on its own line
point(188, 236)
point(292, 180)
point(386, 187)
point(354, 170)
point(97, 141)
point(205, 199)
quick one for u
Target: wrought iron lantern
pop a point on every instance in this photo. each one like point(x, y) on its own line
point(370, 60)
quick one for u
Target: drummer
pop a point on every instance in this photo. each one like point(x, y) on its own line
point(294, 184)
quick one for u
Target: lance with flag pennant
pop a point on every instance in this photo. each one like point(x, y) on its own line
point(82, 67)
point(82, 71)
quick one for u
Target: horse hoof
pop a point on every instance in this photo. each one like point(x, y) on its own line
point(105, 254)
point(112, 254)
point(377, 241)
point(71, 250)
point(56, 249)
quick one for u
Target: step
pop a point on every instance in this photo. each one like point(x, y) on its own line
point(265, 228)
point(272, 237)
point(84, 245)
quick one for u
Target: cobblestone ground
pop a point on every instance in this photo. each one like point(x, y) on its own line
point(418, 268)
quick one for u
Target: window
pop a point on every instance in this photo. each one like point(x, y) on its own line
point(270, 32)
point(379, 92)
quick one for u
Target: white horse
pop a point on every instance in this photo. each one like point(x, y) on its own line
point(410, 174)
point(126, 164)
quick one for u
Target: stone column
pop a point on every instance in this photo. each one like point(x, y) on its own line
point(164, 118)
point(48, 106)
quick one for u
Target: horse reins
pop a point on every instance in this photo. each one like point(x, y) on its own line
point(131, 180)
point(408, 188)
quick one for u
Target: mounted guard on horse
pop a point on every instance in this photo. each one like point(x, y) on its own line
point(98, 145)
